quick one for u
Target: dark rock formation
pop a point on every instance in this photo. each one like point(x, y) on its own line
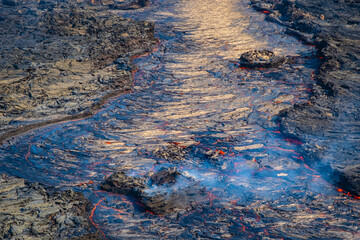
point(260, 59)
point(128, 5)
point(163, 192)
point(59, 58)
point(29, 211)
point(119, 182)
point(172, 152)
point(329, 124)
point(119, 5)
point(165, 176)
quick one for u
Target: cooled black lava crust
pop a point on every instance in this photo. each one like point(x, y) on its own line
point(329, 124)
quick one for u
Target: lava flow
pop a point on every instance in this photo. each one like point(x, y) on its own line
point(193, 109)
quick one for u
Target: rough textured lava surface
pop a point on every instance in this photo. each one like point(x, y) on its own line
point(204, 145)
point(62, 58)
point(154, 191)
point(329, 123)
point(260, 59)
point(29, 211)
point(59, 60)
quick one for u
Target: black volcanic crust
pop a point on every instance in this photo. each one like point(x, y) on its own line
point(163, 192)
point(28, 210)
point(329, 124)
point(60, 60)
point(260, 59)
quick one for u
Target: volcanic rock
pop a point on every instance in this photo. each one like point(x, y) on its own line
point(329, 124)
point(58, 59)
point(165, 176)
point(116, 4)
point(119, 182)
point(172, 152)
point(163, 192)
point(29, 211)
point(128, 5)
point(260, 59)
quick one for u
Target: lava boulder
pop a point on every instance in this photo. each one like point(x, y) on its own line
point(172, 153)
point(119, 182)
point(127, 4)
point(260, 59)
point(163, 192)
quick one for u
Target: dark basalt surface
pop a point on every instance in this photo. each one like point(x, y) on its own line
point(172, 152)
point(59, 60)
point(260, 59)
point(62, 58)
point(29, 211)
point(175, 153)
point(329, 123)
point(118, 5)
point(164, 192)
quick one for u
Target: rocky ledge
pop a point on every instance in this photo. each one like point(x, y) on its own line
point(29, 211)
point(328, 124)
point(60, 60)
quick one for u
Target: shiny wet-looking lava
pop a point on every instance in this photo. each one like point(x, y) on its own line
point(190, 92)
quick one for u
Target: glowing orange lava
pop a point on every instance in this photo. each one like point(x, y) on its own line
point(92, 216)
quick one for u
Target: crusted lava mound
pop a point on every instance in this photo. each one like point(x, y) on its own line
point(172, 152)
point(163, 192)
point(260, 59)
point(128, 5)
point(116, 4)
point(29, 211)
point(62, 58)
point(328, 124)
